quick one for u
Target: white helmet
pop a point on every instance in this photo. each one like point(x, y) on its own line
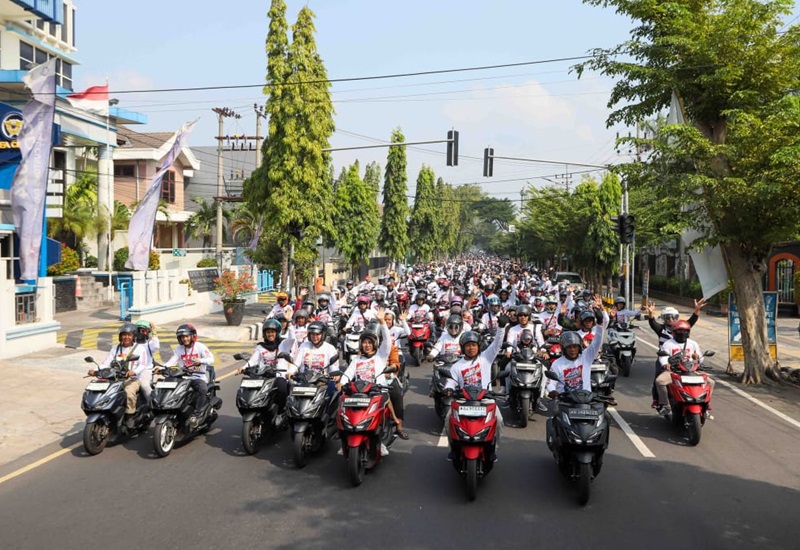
point(669, 312)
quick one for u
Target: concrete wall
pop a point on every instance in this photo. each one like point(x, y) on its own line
point(19, 339)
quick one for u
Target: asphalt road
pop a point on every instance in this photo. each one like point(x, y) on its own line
point(739, 488)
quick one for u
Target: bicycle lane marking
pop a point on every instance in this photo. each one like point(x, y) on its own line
point(744, 394)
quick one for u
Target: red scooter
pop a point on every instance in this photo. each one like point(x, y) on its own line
point(689, 394)
point(473, 434)
point(364, 422)
point(418, 340)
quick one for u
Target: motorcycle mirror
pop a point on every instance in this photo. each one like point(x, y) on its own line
point(238, 356)
point(133, 358)
point(387, 370)
point(662, 353)
point(284, 355)
point(333, 360)
point(89, 359)
point(709, 353)
point(551, 375)
point(265, 312)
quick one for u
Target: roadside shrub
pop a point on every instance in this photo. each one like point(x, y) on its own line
point(90, 261)
point(207, 262)
point(69, 262)
point(121, 256)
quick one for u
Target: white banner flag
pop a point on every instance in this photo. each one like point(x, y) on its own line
point(30, 181)
point(142, 224)
point(709, 264)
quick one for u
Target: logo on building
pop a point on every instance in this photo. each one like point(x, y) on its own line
point(11, 126)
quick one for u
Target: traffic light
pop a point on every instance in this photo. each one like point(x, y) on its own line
point(452, 148)
point(616, 226)
point(626, 229)
point(488, 162)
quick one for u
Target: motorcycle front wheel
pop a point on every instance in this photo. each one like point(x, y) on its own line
point(164, 438)
point(251, 435)
point(625, 363)
point(356, 465)
point(472, 478)
point(584, 482)
point(416, 353)
point(524, 411)
point(695, 427)
point(300, 457)
point(95, 437)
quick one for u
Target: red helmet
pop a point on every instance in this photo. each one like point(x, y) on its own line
point(681, 326)
point(364, 300)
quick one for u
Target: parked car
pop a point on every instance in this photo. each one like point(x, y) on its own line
point(573, 279)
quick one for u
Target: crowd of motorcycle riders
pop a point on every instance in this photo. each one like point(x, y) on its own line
point(476, 316)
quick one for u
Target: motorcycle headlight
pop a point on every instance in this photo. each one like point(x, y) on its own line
point(346, 422)
point(565, 419)
point(462, 434)
point(575, 438)
point(595, 437)
point(489, 416)
point(373, 408)
point(364, 424)
point(483, 433)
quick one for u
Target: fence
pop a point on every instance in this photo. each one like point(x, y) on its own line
point(265, 281)
point(125, 287)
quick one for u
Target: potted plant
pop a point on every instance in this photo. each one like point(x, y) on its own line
point(230, 287)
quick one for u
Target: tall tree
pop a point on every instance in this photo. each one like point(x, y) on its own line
point(447, 217)
point(393, 237)
point(356, 217)
point(734, 167)
point(372, 177)
point(202, 224)
point(424, 223)
point(292, 188)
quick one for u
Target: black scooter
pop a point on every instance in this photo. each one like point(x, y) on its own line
point(310, 412)
point(104, 402)
point(525, 383)
point(441, 373)
point(256, 400)
point(578, 436)
point(172, 401)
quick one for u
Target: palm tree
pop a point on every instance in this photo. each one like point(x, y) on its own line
point(79, 218)
point(244, 224)
point(203, 223)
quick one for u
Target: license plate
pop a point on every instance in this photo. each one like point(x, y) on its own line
point(472, 411)
point(252, 383)
point(304, 392)
point(357, 401)
point(598, 368)
point(578, 414)
point(166, 385)
point(692, 380)
point(97, 386)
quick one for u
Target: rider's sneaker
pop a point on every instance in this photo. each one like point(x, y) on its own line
point(129, 423)
point(663, 410)
point(450, 456)
point(194, 420)
point(654, 404)
point(384, 450)
point(708, 415)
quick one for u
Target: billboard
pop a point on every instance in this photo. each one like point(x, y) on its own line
point(10, 127)
point(734, 329)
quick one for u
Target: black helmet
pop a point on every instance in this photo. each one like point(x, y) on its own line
point(526, 338)
point(586, 314)
point(323, 297)
point(186, 330)
point(620, 300)
point(455, 322)
point(300, 313)
point(421, 293)
point(317, 327)
point(467, 337)
point(127, 328)
point(570, 338)
point(271, 324)
point(349, 282)
point(368, 334)
point(524, 310)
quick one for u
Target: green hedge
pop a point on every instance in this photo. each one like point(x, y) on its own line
point(673, 285)
point(207, 262)
point(69, 262)
point(121, 256)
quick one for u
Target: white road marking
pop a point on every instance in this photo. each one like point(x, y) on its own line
point(39, 462)
point(742, 393)
point(442, 439)
point(635, 439)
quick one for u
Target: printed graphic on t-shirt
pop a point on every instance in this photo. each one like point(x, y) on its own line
point(189, 359)
point(315, 360)
point(451, 348)
point(300, 334)
point(365, 369)
point(268, 357)
point(472, 375)
point(324, 316)
point(572, 378)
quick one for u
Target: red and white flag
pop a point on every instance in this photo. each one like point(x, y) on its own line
point(93, 99)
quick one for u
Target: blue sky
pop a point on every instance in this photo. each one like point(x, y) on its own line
point(537, 111)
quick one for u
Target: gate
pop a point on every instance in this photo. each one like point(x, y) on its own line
point(266, 281)
point(125, 287)
point(784, 281)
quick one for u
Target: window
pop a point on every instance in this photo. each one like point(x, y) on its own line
point(65, 23)
point(168, 187)
point(74, 42)
point(66, 75)
point(25, 55)
point(124, 170)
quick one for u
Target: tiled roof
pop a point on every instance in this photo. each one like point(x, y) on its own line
point(140, 140)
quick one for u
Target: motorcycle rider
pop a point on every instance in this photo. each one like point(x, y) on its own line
point(524, 323)
point(266, 354)
point(489, 319)
point(194, 356)
point(621, 315)
point(475, 368)
point(550, 325)
point(282, 306)
point(300, 328)
point(362, 315)
point(325, 309)
point(145, 334)
point(374, 350)
point(448, 342)
point(680, 343)
point(316, 354)
point(124, 349)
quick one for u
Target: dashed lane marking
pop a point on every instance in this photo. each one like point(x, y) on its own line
point(628, 431)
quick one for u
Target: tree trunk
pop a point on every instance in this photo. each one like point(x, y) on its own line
point(285, 267)
point(747, 287)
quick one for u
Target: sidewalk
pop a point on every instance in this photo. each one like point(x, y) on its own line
point(41, 392)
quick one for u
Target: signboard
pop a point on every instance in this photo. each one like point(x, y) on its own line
point(512, 228)
point(179, 252)
point(203, 279)
point(10, 127)
point(735, 349)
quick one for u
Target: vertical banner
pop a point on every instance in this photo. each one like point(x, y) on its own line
point(141, 226)
point(30, 182)
point(734, 328)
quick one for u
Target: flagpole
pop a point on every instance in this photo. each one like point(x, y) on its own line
point(110, 199)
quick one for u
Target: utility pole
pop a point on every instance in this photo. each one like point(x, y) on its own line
point(259, 109)
point(222, 113)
